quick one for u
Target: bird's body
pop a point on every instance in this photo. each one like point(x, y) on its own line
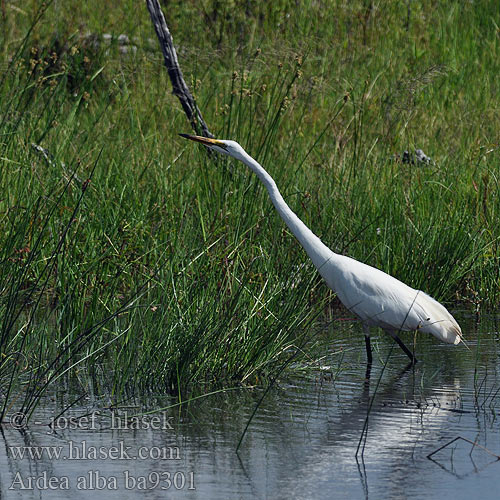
point(377, 298)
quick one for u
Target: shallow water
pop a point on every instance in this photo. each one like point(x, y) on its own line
point(301, 443)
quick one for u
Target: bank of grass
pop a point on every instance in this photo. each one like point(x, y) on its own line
point(131, 259)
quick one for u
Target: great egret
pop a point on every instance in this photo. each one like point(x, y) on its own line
point(375, 297)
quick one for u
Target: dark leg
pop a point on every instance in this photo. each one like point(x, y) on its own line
point(407, 351)
point(367, 375)
point(368, 346)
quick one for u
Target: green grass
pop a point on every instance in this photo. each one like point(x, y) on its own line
point(133, 261)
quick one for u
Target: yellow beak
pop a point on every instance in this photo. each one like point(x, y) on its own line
point(204, 140)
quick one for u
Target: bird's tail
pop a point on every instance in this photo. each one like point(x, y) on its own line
point(446, 330)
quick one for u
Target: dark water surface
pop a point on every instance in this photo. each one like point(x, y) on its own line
point(302, 441)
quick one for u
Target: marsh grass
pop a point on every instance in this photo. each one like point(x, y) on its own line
point(132, 261)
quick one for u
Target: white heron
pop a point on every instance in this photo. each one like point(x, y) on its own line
point(377, 298)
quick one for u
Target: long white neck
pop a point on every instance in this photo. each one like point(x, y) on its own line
point(318, 252)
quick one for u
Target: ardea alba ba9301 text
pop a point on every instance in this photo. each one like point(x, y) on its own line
point(377, 298)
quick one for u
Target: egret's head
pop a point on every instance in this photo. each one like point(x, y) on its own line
point(230, 148)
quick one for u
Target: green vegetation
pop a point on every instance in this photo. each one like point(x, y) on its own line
point(131, 259)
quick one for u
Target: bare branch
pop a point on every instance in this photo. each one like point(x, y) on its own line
point(180, 89)
point(473, 443)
